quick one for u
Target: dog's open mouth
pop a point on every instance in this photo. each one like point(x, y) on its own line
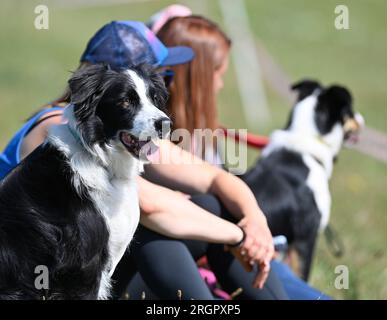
point(142, 149)
point(351, 137)
point(352, 128)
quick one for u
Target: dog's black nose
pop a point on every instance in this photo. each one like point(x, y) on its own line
point(163, 126)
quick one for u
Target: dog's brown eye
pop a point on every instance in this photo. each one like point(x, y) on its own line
point(125, 103)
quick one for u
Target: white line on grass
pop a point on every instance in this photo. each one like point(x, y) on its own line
point(246, 62)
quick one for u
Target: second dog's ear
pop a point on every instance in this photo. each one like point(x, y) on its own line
point(305, 88)
point(337, 99)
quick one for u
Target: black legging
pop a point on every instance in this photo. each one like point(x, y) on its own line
point(167, 265)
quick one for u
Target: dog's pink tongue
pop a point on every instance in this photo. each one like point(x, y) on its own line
point(154, 156)
point(151, 152)
point(354, 138)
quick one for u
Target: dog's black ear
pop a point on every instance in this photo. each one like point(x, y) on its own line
point(339, 94)
point(305, 88)
point(87, 87)
point(334, 106)
point(85, 81)
point(338, 99)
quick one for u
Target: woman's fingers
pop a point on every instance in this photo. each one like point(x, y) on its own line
point(270, 253)
point(258, 250)
point(246, 246)
point(262, 258)
point(237, 254)
point(262, 275)
point(256, 253)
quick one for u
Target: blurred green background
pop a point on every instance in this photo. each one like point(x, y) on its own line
point(300, 35)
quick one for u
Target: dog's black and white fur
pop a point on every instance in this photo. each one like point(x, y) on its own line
point(72, 204)
point(290, 180)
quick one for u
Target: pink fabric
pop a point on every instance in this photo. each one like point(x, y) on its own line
point(210, 279)
point(174, 10)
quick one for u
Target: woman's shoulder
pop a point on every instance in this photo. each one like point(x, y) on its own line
point(46, 117)
point(39, 130)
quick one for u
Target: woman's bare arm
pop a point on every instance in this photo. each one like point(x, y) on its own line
point(174, 215)
point(180, 170)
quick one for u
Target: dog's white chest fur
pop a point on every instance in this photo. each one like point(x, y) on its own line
point(112, 188)
point(317, 181)
point(121, 212)
point(115, 195)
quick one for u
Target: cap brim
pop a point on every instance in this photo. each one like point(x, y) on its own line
point(178, 55)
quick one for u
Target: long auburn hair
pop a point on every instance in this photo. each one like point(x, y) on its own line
point(192, 101)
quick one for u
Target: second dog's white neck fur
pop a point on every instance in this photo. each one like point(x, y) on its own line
point(110, 176)
point(303, 136)
point(317, 157)
point(298, 142)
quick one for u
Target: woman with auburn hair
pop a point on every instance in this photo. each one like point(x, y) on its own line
point(193, 91)
point(192, 103)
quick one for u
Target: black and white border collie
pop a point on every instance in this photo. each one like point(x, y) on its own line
point(72, 205)
point(290, 181)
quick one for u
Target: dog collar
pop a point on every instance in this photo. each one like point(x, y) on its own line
point(74, 133)
point(321, 140)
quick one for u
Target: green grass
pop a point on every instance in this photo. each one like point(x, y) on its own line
point(34, 67)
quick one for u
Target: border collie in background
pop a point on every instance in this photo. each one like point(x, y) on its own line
point(291, 179)
point(72, 204)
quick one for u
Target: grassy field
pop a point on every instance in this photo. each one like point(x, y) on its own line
point(34, 67)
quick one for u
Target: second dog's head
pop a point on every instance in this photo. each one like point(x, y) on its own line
point(118, 108)
point(325, 113)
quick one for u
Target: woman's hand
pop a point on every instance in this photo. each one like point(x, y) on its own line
point(257, 248)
